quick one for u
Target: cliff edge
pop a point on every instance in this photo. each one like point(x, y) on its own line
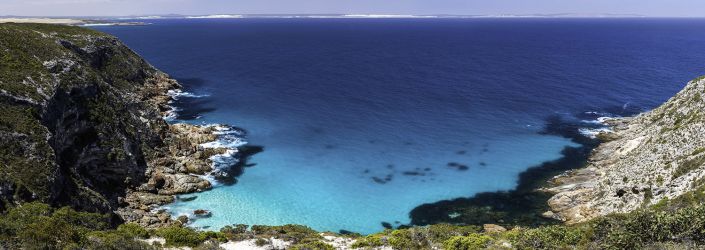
point(654, 156)
point(81, 125)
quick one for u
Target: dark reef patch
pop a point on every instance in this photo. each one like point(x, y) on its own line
point(458, 166)
point(522, 206)
point(244, 153)
point(186, 198)
point(346, 232)
point(413, 173)
point(379, 180)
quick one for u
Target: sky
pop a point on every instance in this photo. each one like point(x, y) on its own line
point(656, 8)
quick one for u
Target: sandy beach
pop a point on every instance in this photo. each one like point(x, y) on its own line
point(66, 21)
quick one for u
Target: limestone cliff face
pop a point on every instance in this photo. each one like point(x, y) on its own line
point(656, 155)
point(81, 124)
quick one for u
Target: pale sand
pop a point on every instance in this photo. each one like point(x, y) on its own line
point(338, 243)
point(42, 20)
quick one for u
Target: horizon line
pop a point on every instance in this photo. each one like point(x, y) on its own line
point(352, 15)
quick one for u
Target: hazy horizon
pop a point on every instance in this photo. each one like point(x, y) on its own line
point(58, 8)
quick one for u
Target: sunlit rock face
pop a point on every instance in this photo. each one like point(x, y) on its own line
point(656, 155)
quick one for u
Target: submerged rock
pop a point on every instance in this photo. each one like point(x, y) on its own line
point(458, 166)
point(202, 213)
point(413, 173)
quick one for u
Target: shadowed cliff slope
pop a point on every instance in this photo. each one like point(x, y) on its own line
point(74, 124)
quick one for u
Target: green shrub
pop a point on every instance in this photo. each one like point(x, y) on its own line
point(236, 232)
point(316, 245)
point(549, 237)
point(209, 245)
point(443, 232)
point(217, 236)
point(405, 239)
point(290, 232)
point(133, 230)
point(114, 240)
point(261, 242)
point(689, 165)
point(470, 242)
point(421, 237)
point(369, 241)
point(181, 236)
point(36, 225)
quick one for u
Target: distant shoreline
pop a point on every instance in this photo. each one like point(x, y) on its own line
point(68, 21)
point(72, 20)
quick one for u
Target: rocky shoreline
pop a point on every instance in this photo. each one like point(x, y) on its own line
point(526, 204)
point(187, 158)
point(83, 127)
point(654, 156)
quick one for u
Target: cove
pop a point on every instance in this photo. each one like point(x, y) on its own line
point(362, 121)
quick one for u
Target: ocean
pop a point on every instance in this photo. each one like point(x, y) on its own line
point(363, 120)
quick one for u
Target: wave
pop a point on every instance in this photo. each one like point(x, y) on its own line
point(594, 123)
point(172, 114)
point(177, 93)
point(593, 132)
point(229, 138)
point(599, 120)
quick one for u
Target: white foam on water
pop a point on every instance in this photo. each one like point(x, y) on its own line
point(604, 118)
point(599, 120)
point(177, 93)
point(593, 132)
point(171, 114)
point(228, 137)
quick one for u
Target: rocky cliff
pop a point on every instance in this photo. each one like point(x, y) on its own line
point(81, 125)
point(654, 156)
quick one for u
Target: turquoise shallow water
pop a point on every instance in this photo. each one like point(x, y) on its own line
point(335, 102)
point(329, 190)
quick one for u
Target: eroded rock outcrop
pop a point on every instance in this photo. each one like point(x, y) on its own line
point(81, 125)
point(656, 155)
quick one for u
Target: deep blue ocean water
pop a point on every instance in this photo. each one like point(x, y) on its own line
point(362, 120)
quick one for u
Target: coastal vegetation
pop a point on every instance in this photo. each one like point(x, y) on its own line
point(676, 223)
point(67, 116)
point(74, 151)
